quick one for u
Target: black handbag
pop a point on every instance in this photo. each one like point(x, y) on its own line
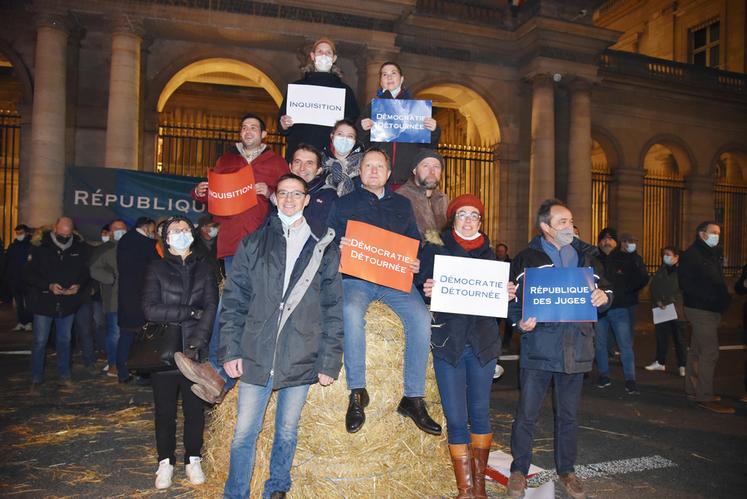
point(154, 347)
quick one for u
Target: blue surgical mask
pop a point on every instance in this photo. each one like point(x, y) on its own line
point(343, 145)
point(668, 260)
point(289, 220)
point(631, 248)
point(181, 241)
point(212, 232)
point(712, 240)
point(104, 239)
point(118, 234)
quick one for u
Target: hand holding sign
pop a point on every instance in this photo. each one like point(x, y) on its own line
point(401, 120)
point(560, 295)
point(231, 193)
point(313, 105)
point(470, 286)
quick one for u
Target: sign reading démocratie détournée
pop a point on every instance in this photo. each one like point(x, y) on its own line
point(559, 294)
point(315, 105)
point(470, 286)
point(400, 120)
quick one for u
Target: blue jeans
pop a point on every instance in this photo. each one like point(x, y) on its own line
point(567, 394)
point(619, 320)
point(465, 395)
point(42, 326)
point(99, 321)
point(215, 337)
point(357, 296)
point(84, 332)
point(112, 338)
point(252, 404)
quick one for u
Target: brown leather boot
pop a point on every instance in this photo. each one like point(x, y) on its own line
point(480, 452)
point(200, 373)
point(461, 460)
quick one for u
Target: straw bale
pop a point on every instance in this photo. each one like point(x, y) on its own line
point(388, 457)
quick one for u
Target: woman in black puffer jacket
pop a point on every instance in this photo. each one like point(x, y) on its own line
point(181, 289)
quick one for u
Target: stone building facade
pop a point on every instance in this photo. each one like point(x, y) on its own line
point(597, 103)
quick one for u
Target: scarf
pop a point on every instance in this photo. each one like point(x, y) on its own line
point(63, 247)
point(468, 245)
point(250, 156)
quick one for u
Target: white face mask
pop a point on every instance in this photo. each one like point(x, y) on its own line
point(395, 92)
point(631, 247)
point(21, 237)
point(323, 63)
point(468, 238)
point(668, 260)
point(118, 234)
point(343, 145)
point(104, 239)
point(289, 220)
point(180, 242)
point(212, 232)
point(564, 237)
point(712, 240)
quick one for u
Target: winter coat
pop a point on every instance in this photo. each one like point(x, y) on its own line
point(268, 167)
point(566, 347)
point(451, 333)
point(316, 135)
point(430, 212)
point(103, 268)
point(134, 254)
point(15, 261)
point(392, 212)
point(291, 336)
point(317, 211)
point(626, 275)
point(175, 290)
point(740, 289)
point(665, 288)
point(342, 177)
point(701, 278)
point(48, 264)
point(401, 154)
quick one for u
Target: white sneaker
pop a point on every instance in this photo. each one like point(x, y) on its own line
point(164, 474)
point(682, 372)
point(19, 327)
point(498, 371)
point(194, 471)
point(29, 327)
point(655, 366)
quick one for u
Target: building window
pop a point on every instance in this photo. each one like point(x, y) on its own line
point(705, 42)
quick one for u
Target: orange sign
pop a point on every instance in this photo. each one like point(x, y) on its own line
point(231, 193)
point(379, 256)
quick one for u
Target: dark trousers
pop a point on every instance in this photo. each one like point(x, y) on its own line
point(84, 331)
point(566, 397)
point(167, 385)
point(23, 314)
point(123, 351)
point(663, 331)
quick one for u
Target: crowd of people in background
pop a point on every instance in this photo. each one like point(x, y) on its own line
point(285, 250)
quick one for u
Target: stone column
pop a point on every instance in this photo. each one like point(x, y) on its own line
point(579, 155)
point(123, 117)
point(42, 203)
point(626, 208)
point(542, 158)
point(699, 206)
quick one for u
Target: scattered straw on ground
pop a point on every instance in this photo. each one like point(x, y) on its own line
point(389, 457)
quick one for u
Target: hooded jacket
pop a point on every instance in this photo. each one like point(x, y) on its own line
point(316, 135)
point(451, 333)
point(565, 347)
point(268, 168)
point(291, 336)
point(401, 154)
point(48, 264)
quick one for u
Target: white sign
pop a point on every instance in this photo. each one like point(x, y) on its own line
point(668, 313)
point(470, 286)
point(315, 105)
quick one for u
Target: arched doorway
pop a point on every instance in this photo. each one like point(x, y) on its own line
point(665, 165)
point(11, 96)
point(731, 206)
point(604, 160)
point(470, 135)
point(199, 112)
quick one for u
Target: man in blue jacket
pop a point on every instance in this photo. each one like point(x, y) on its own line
point(374, 203)
point(559, 352)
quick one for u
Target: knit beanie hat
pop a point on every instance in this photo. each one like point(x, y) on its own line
point(424, 154)
point(608, 231)
point(464, 200)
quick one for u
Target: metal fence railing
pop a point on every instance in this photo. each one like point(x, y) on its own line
point(663, 216)
point(600, 203)
point(731, 211)
point(10, 159)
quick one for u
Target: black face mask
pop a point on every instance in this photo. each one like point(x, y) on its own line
point(62, 239)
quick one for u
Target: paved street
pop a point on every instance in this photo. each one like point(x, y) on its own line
point(96, 439)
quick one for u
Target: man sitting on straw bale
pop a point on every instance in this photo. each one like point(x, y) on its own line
point(374, 203)
point(281, 329)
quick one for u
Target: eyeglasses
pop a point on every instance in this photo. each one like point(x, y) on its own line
point(292, 194)
point(177, 231)
point(463, 215)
